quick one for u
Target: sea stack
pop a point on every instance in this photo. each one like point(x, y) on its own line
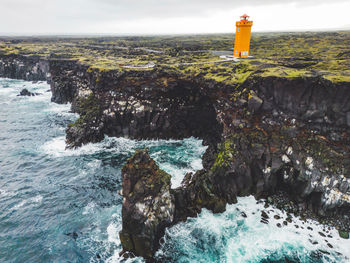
point(148, 206)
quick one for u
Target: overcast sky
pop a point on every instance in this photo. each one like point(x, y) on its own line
point(167, 16)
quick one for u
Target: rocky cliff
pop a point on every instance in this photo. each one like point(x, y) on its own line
point(145, 105)
point(31, 68)
point(314, 100)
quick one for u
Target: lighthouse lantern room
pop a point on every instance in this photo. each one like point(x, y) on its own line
point(242, 38)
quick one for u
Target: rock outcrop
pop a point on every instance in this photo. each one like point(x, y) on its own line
point(313, 100)
point(145, 105)
point(148, 206)
point(31, 68)
point(70, 81)
point(25, 92)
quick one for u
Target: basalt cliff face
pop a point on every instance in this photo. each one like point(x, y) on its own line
point(267, 136)
point(142, 105)
point(30, 68)
point(313, 100)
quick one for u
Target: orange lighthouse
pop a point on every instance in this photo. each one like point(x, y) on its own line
point(242, 39)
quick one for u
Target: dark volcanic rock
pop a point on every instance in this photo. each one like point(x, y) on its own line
point(141, 105)
point(264, 221)
point(70, 81)
point(264, 215)
point(30, 68)
point(89, 127)
point(329, 245)
point(148, 206)
point(254, 102)
point(322, 234)
point(25, 92)
point(73, 235)
point(315, 99)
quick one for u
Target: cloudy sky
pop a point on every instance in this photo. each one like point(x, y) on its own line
point(167, 16)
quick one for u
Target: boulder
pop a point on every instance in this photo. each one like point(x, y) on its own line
point(343, 234)
point(254, 103)
point(25, 92)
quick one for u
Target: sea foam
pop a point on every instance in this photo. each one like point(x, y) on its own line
point(234, 238)
point(188, 152)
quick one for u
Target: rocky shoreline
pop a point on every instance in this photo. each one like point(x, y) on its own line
point(282, 139)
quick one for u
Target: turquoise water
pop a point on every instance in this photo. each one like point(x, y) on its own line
point(60, 205)
point(230, 237)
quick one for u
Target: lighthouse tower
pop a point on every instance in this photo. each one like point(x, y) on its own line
point(242, 39)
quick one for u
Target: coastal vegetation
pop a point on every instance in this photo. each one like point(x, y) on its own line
point(89, 109)
point(289, 55)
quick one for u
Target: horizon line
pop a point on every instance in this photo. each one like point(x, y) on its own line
point(58, 34)
point(159, 34)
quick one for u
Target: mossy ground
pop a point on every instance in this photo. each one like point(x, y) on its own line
point(275, 54)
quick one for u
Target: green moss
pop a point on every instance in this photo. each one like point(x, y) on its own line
point(318, 147)
point(343, 234)
point(226, 154)
point(90, 111)
point(280, 71)
point(164, 178)
point(243, 71)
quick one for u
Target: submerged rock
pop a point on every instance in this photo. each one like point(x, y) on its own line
point(25, 92)
point(73, 235)
point(321, 234)
point(148, 206)
point(264, 215)
point(244, 214)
